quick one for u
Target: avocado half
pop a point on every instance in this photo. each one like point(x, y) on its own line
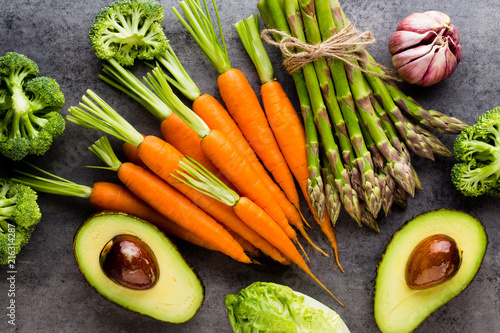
point(177, 294)
point(397, 308)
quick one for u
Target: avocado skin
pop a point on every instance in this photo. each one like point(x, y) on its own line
point(413, 325)
point(110, 299)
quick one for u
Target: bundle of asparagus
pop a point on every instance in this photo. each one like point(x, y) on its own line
point(363, 123)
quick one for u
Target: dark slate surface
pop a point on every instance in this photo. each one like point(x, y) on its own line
point(52, 295)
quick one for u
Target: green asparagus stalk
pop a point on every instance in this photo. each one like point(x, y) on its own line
point(388, 186)
point(433, 119)
point(397, 167)
point(414, 141)
point(364, 163)
point(315, 184)
point(333, 203)
point(290, 22)
point(400, 197)
point(436, 145)
point(391, 133)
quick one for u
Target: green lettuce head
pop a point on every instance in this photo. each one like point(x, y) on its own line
point(272, 308)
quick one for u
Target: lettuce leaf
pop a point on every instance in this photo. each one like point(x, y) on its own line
point(272, 308)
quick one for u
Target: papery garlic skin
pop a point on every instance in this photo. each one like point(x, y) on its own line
point(426, 48)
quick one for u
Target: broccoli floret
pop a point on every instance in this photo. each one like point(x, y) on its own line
point(129, 29)
point(19, 213)
point(477, 150)
point(30, 119)
point(5, 101)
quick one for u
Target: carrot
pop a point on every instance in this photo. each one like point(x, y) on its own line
point(243, 105)
point(283, 119)
point(288, 130)
point(281, 114)
point(163, 159)
point(226, 156)
point(110, 197)
point(217, 118)
point(173, 205)
point(196, 176)
point(174, 130)
point(162, 105)
point(130, 153)
point(239, 97)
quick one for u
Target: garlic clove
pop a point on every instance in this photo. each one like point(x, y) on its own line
point(402, 40)
point(453, 35)
point(436, 69)
point(420, 23)
point(451, 62)
point(402, 58)
point(441, 18)
point(458, 52)
point(414, 71)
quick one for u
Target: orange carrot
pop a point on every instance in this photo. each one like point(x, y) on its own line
point(243, 105)
point(217, 118)
point(97, 114)
point(110, 197)
point(238, 95)
point(198, 178)
point(228, 158)
point(114, 197)
point(288, 130)
point(173, 205)
point(163, 159)
point(161, 103)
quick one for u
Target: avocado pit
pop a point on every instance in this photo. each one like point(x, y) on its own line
point(130, 262)
point(435, 260)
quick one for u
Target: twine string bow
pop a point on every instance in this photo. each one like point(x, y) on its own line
point(345, 46)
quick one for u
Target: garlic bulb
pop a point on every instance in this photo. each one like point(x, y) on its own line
point(425, 48)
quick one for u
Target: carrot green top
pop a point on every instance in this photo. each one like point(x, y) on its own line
point(248, 29)
point(56, 185)
point(178, 77)
point(200, 26)
point(198, 177)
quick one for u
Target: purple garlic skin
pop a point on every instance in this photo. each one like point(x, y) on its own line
point(425, 48)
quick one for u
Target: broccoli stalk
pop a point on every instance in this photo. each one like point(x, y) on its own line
point(129, 29)
point(19, 213)
point(477, 150)
point(29, 116)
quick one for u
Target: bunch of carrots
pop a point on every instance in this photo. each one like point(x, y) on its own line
point(221, 177)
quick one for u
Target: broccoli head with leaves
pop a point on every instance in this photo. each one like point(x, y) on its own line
point(129, 29)
point(477, 150)
point(29, 108)
point(19, 213)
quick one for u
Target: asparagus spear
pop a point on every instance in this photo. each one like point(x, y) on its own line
point(394, 139)
point(431, 118)
point(333, 202)
point(290, 22)
point(436, 145)
point(315, 185)
point(318, 20)
point(397, 167)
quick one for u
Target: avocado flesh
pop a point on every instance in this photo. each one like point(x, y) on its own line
point(397, 308)
point(177, 294)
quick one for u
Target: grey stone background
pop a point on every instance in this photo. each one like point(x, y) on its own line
point(52, 295)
